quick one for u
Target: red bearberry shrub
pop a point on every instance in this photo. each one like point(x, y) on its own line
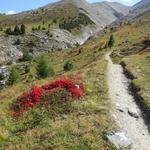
point(75, 90)
point(36, 93)
point(27, 100)
point(56, 92)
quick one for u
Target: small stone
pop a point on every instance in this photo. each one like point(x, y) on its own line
point(119, 139)
point(114, 116)
point(120, 109)
point(117, 105)
point(133, 113)
point(117, 94)
point(143, 133)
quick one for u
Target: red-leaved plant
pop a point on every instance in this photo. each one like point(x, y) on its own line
point(32, 97)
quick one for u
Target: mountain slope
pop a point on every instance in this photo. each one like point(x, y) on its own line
point(139, 8)
point(102, 13)
point(80, 18)
point(107, 12)
point(83, 124)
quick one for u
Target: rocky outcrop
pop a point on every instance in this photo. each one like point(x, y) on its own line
point(8, 52)
point(4, 73)
point(40, 42)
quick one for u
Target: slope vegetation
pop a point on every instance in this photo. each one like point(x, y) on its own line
point(101, 13)
point(83, 124)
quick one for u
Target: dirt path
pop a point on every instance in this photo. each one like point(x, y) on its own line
point(126, 111)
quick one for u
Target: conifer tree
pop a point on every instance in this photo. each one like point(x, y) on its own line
point(14, 76)
point(111, 41)
point(17, 30)
point(44, 69)
point(23, 29)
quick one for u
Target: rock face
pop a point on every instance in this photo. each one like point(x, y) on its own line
point(4, 73)
point(8, 52)
point(55, 39)
point(40, 42)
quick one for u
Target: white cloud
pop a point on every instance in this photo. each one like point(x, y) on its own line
point(11, 12)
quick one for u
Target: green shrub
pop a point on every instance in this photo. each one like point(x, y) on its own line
point(27, 68)
point(111, 41)
point(23, 29)
point(27, 56)
point(8, 31)
point(39, 27)
point(76, 22)
point(68, 66)
point(14, 76)
point(43, 28)
point(17, 30)
point(44, 69)
point(54, 21)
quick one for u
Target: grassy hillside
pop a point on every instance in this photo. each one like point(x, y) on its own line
point(133, 50)
point(73, 24)
point(42, 14)
point(82, 124)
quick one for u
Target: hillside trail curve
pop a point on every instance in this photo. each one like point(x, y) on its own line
point(125, 110)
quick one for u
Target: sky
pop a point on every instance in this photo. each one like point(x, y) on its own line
point(15, 6)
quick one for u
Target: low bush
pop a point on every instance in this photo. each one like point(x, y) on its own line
point(44, 69)
point(14, 76)
point(68, 66)
point(56, 92)
point(76, 22)
point(27, 56)
point(17, 30)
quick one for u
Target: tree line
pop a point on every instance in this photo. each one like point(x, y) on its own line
point(16, 31)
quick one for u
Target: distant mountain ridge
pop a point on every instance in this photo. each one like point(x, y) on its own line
point(102, 13)
point(139, 8)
